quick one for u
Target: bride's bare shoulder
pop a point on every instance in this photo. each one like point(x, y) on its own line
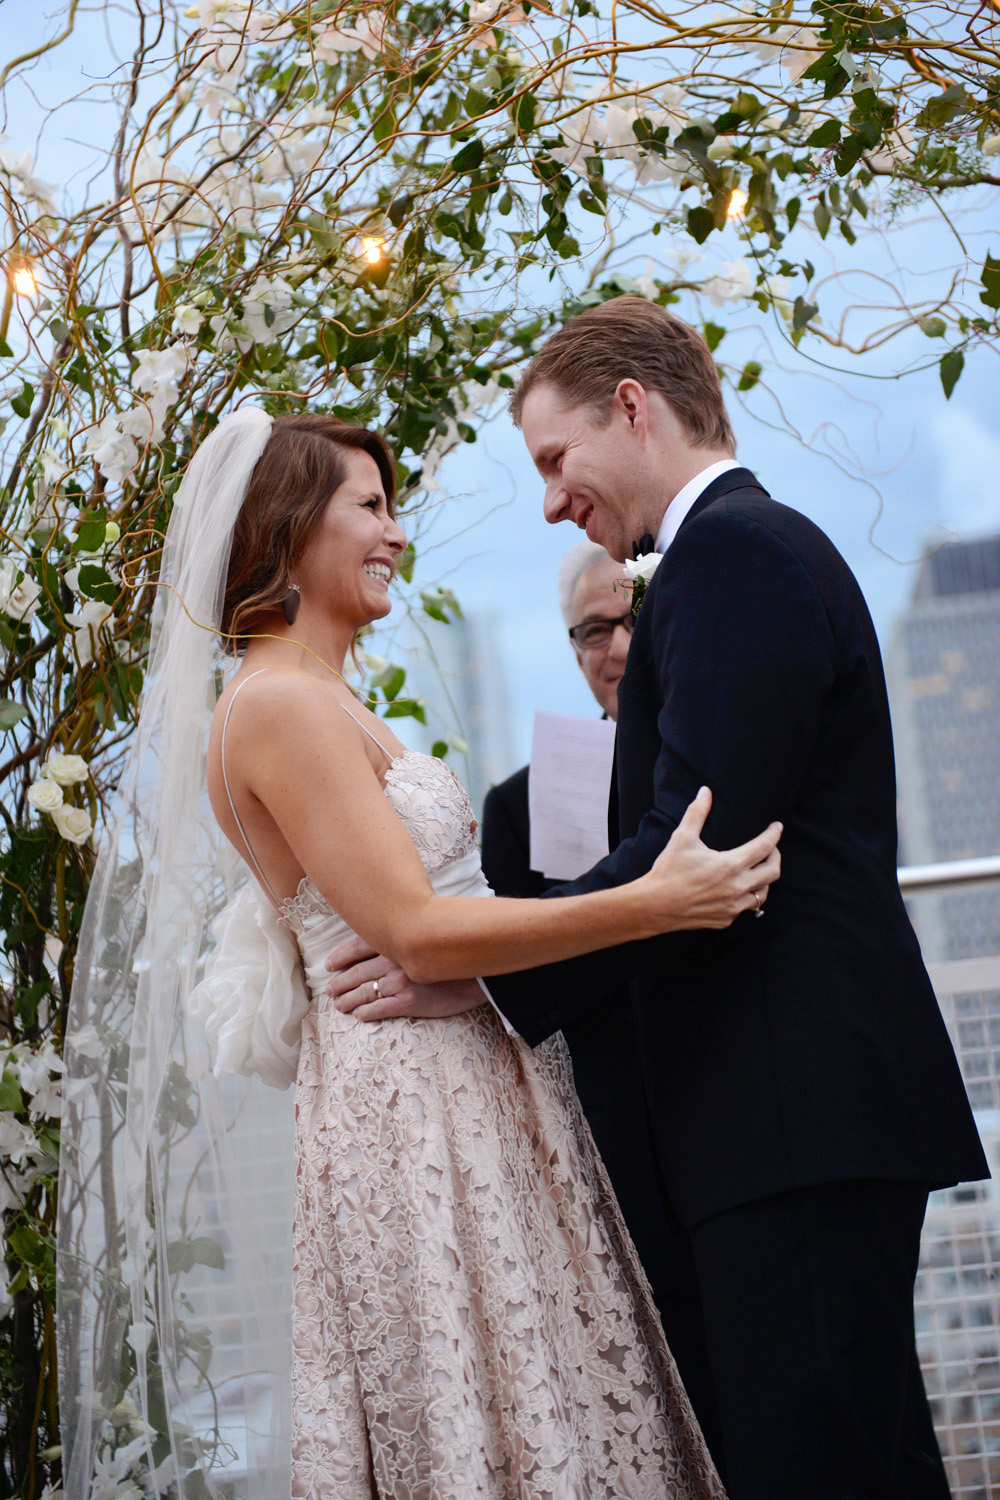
point(276, 703)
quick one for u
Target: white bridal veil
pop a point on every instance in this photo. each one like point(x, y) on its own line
point(176, 1189)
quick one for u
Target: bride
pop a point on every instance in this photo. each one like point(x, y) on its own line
point(468, 1314)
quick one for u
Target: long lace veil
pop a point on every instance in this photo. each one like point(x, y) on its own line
point(176, 1189)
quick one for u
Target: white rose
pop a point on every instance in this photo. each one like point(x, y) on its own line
point(643, 566)
point(19, 600)
point(73, 823)
point(66, 769)
point(45, 795)
point(991, 145)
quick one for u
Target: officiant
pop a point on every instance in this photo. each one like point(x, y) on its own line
point(596, 606)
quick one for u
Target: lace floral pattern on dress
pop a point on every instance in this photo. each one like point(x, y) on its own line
point(470, 1318)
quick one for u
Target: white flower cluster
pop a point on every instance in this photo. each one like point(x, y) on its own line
point(366, 34)
point(231, 28)
point(47, 795)
point(18, 168)
point(114, 442)
point(736, 280)
point(36, 1073)
point(268, 295)
point(794, 47)
point(611, 134)
point(496, 13)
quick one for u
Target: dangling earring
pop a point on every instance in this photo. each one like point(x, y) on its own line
point(290, 603)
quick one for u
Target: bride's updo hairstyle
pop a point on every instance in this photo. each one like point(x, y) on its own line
point(302, 464)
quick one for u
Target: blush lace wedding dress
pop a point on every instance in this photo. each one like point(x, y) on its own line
point(470, 1321)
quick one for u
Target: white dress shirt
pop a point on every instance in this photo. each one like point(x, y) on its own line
point(673, 517)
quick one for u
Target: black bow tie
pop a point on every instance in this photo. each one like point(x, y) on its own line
point(645, 544)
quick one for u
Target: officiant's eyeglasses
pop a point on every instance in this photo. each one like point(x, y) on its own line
point(595, 635)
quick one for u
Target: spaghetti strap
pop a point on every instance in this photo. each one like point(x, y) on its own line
point(365, 730)
point(232, 805)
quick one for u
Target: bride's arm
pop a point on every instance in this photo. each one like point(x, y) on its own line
point(303, 758)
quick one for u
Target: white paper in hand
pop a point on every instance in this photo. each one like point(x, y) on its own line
point(568, 788)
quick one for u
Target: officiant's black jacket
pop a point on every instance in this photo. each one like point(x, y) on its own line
point(806, 1046)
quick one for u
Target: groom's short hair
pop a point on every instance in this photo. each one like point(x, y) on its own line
point(629, 338)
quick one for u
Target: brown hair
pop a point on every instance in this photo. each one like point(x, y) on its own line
point(289, 490)
point(630, 338)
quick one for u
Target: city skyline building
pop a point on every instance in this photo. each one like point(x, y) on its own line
point(941, 668)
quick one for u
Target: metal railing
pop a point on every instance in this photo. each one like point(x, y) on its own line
point(957, 1295)
point(921, 880)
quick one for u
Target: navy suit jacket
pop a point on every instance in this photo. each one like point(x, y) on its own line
point(807, 1046)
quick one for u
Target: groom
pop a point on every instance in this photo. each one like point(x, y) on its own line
point(802, 1094)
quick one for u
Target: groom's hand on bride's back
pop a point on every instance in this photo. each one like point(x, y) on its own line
point(371, 987)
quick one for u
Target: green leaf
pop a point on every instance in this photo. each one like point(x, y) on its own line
point(11, 713)
point(990, 278)
point(750, 375)
point(524, 117)
point(821, 217)
point(713, 335)
point(208, 1252)
point(802, 311)
point(385, 125)
point(934, 328)
point(477, 103)
point(827, 134)
point(29, 1245)
point(847, 232)
point(95, 583)
point(952, 365)
point(90, 537)
point(10, 1092)
point(850, 154)
point(792, 209)
point(391, 688)
point(505, 203)
point(469, 158)
point(440, 749)
point(406, 708)
point(6, 352)
point(700, 222)
point(406, 564)
point(944, 107)
point(21, 405)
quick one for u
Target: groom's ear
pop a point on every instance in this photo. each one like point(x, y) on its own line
point(633, 400)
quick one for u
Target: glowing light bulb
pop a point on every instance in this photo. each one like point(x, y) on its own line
point(372, 247)
point(737, 203)
point(25, 284)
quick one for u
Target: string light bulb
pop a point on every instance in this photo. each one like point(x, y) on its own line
point(737, 203)
point(371, 246)
point(23, 279)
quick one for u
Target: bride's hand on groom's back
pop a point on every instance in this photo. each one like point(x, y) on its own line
point(371, 987)
point(710, 888)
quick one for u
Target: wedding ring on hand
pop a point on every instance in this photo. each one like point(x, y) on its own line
point(378, 990)
point(758, 910)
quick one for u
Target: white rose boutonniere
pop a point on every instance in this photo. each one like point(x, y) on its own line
point(45, 795)
point(639, 571)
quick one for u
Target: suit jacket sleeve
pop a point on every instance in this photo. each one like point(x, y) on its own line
point(742, 659)
point(506, 839)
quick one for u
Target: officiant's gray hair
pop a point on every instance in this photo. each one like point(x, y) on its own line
point(578, 560)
